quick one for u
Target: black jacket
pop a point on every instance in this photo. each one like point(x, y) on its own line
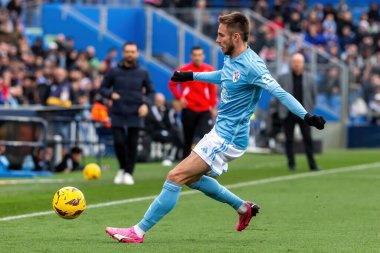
point(135, 88)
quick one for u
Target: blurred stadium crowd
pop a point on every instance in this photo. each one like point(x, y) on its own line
point(30, 73)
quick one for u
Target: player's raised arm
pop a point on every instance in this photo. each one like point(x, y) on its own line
point(267, 82)
point(209, 77)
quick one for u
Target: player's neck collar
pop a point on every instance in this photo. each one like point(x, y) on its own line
point(240, 55)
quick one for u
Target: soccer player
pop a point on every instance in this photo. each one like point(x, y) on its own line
point(243, 78)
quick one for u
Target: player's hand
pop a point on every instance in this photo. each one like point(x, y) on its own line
point(115, 96)
point(143, 110)
point(182, 76)
point(315, 121)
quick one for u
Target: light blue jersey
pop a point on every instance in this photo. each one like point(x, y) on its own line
point(242, 81)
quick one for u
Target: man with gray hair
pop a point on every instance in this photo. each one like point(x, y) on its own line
point(302, 86)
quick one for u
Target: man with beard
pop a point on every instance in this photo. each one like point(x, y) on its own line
point(130, 88)
point(243, 78)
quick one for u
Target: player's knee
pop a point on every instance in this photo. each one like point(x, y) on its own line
point(176, 176)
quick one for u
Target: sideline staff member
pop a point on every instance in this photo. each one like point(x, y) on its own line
point(198, 100)
point(130, 88)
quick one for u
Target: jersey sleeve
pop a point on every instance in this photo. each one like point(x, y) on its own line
point(268, 83)
point(208, 77)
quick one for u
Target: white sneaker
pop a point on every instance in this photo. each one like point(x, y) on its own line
point(119, 177)
point(167, 163)
point(128, 179)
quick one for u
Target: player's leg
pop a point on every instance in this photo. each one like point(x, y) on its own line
point(189, 170)
point(119, 143)
point(216, 152)
point(211, 188)
point(289, 124)
point(132, 143)
point(189, 125)
point(308, 144)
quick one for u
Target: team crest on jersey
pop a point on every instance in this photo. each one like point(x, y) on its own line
point(236, 76)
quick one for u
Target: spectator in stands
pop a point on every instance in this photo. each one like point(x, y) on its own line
point(4, 162)
point(9, 95)
point(61, 93)
point(41, 160)
point(131, 90)
point(204, 19)
point(345, 19)
point(314, 21)
point(111, 59)
point(37, 48)
point(198, 100)
point(60, 41)
point(295, 23)
point(30, 92)
point(330, 82)
point(329, 9)
point(71, 161)
point(301, 85)
point(277, 25)
point(262, 8)
point(370, 87)
point(269, 52)
point(162, 126)
point(14, 8)
point(333, 51)
point(374, 105)
point(358, 107)
point(347, 38)
point(91, 57)
point(329, 23)
point(313, 36)
point(52, 53)
point(373, 13)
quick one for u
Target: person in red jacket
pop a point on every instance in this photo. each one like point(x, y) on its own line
point(198, 100)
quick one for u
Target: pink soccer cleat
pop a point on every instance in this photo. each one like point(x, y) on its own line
point(125, 235)
point(244, 219)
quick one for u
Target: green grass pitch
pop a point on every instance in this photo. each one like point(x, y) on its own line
point(320, 212)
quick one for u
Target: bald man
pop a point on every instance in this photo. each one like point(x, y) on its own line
point(302, 86)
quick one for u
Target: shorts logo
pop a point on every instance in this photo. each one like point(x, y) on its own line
point(204, 150)
point(236, 76)
point(267, 79)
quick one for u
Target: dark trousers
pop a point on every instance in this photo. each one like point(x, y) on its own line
point(125, 143)
point(194, 123)
point(289, 124)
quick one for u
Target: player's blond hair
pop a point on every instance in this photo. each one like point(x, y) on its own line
point(236, 22)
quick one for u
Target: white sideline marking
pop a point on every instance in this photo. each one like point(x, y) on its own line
point(231, 186)
point(32, 181)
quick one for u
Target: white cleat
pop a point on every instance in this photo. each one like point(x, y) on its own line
point(128, 179)
point(119, 179)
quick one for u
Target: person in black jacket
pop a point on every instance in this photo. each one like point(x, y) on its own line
point(130, 88)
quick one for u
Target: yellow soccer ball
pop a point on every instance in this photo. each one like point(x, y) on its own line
point(92, 171)
point(69, 202)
